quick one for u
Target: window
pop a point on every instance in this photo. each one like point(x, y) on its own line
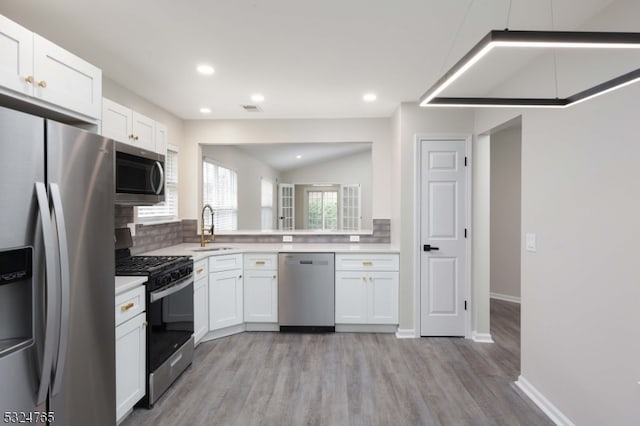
point(267, 204)
point(169, 208)
point(220, 191)
point(322, 210)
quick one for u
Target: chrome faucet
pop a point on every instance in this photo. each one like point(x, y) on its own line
point(204, 240)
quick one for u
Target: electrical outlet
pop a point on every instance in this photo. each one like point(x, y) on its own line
point(354, 238)
point(287, 238)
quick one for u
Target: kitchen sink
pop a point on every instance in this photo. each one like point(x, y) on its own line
point(211, 248)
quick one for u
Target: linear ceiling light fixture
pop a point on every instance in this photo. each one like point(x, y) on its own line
point(540, 39)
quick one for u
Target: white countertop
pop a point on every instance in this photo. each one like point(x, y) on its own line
point(186, 249)
point(127, 283)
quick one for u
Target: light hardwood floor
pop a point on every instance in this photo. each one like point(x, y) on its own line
point(351, 379)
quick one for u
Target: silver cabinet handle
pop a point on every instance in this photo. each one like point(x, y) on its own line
point(65, 284)
point(52, 292)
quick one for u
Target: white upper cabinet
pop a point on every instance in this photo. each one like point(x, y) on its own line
point(45, 74)
point(161, 138)
point(64, 79)
point(143, 132)
point(116, 121)
point(16, 53)
point(125, 125)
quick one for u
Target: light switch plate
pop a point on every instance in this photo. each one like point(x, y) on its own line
point(287, 238)
point(531, 242)
point(354, 238)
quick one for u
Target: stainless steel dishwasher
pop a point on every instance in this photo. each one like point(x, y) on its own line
point(306, 292)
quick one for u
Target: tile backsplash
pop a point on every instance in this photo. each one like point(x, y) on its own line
point(152, 237)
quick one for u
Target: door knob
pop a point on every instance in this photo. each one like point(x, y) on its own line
point(428, 247)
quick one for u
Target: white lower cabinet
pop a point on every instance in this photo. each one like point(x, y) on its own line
point(130, 352)
point(261, 287)
point(200, 301)
point(261, 296)
point(225, 292)
point(364, 293)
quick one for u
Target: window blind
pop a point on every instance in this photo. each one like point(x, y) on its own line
point(267, 204)
point(220, 190)
point(169, 208)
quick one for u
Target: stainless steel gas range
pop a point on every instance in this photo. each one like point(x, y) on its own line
point(169, 305)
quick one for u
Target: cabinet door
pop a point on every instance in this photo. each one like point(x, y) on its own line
point(351, 297)
point(64, 79)
point(16, 57)
point(225, 299)
point(143, 129)
point(382, 296)
point(200, 308)
point(161, 138)
point(116, 121)
point(130, 364)
point(261, 296)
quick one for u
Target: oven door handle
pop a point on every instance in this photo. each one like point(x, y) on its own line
point(157, 295)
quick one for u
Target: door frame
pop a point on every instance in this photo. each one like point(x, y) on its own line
point(417, 149)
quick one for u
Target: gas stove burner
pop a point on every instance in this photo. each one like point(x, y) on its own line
point(146, 265)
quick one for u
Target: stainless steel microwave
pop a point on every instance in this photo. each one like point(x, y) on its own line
point(139, 176)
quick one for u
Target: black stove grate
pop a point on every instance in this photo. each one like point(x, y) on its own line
point(148, 265)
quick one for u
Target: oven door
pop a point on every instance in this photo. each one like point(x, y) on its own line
point(170, 317)
point(139, 176)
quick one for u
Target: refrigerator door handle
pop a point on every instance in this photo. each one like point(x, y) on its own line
point(51, 292)
point(157, 165)
point(65, 283)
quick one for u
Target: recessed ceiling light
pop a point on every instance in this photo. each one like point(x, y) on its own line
point(205, 110)
point(205, 69)
point(369, 97)
point(298, 156)
point(257, 97)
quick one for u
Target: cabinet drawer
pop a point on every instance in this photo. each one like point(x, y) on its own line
point(225, 262)
point(129, 304)
point(367, 262)
point(257, 261)
point(200, 269)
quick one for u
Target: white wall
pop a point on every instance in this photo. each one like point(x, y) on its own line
point(250, 171)
point(580, 290)
point(505, 211)
point(375, 130)
point(354, 168)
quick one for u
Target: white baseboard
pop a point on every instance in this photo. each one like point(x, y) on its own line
point(504, 297)
point(406, 333)
point(543, 403)
point(481, 337)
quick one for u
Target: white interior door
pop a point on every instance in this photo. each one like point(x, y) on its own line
point(286, 205)
point(443, 263)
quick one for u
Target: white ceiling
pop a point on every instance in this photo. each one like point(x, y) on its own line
point(310, 59)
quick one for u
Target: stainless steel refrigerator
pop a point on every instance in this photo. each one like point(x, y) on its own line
point(57, 335)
